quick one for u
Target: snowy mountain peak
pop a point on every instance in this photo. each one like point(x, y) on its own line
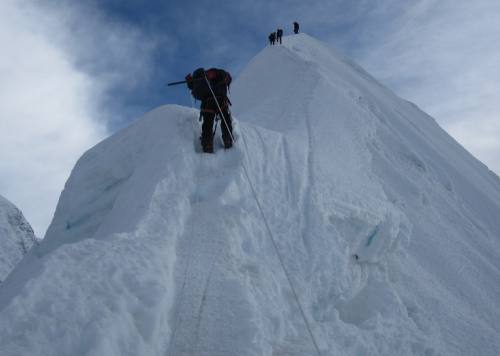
point(16, 237)
point(285, 77)
point(385, 227)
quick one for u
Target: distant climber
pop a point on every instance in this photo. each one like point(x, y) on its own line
point(210, 87)
point(279, 35)
point(295, 27)
point(272, 38)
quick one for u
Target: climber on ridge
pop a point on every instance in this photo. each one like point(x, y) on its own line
point(295, 27)
point(272, 38)
point(279, 35)
point(210, 87)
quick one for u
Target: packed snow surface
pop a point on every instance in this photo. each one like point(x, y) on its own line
point(388, 229)
point(16, 237)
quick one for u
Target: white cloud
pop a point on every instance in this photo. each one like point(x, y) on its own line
point(443, 55)
point(45, 116)
point(56, 68)
point(117, 55)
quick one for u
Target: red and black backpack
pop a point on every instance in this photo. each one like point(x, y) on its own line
point(219, 80)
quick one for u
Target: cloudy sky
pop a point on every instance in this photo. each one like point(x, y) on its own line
point(73, 72)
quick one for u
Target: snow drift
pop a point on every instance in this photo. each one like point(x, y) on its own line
point(387, 227)
point(16, 237)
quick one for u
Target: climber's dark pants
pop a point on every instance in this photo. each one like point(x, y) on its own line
point(208, 110)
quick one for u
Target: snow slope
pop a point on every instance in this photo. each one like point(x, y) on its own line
point(16, 237)
point(387, 228)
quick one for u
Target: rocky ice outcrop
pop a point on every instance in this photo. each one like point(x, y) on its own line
point(16, 237)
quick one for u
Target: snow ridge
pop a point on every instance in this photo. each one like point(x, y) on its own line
point(389, 230)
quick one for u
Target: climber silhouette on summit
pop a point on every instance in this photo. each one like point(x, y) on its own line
point(295, 27)
point(279, 35)
point(210, 87)
point(272, 38)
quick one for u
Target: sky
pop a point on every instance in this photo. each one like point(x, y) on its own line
point(74, 72)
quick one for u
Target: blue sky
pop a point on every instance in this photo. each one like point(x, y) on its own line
point(74, 72)
point(184, 35)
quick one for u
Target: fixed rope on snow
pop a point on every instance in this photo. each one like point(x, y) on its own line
point(269, 231)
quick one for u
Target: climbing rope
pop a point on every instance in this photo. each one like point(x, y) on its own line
point(269, 231)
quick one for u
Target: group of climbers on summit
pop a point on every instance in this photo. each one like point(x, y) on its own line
point(276, 37)
point(211, 87)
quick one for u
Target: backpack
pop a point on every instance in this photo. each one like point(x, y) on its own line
point(219, 81)
point(199, 88)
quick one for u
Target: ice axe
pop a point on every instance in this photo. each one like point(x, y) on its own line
point(184, 81)
point(177, 83)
